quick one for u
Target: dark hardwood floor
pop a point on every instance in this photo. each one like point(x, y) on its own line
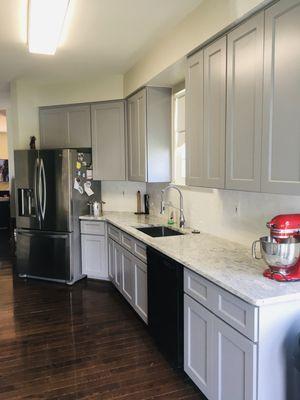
point(80, 342)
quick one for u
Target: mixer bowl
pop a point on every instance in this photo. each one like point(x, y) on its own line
point(279, 255)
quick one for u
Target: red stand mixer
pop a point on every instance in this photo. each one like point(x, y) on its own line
point(281, 250)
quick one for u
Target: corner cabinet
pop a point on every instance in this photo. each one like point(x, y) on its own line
point(281, 129)
point(149, 135)
point(108, 140)
point(205, 116)
point(244, 105)
point(94, 249)
point(65, 126)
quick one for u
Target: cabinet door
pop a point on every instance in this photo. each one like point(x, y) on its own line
point(53, 128)
point(65, 127)
point(194, 120)
point(94, 260)
point(214, 114)
point(140, 288)
point(136, 119)
point(234, 364)
point(118, 266)
point(281, 132)
point(111, 260)
point(198, 336)
point(244, 105)
point(79, 126)
point(108, 137)
point(127, 276)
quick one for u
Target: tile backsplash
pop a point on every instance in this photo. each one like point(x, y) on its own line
point(235, 215)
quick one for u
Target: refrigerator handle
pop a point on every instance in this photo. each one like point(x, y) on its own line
point(22, 202)
point(36, 189)
point(44, 188)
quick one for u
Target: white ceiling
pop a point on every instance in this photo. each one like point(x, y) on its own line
point(100, 36)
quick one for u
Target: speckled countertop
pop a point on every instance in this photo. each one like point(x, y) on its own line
point(227, 264)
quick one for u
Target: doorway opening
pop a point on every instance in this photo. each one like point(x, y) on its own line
point(5, 220)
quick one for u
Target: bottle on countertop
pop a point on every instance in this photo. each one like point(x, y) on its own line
point(146, 203)
point(171, 219)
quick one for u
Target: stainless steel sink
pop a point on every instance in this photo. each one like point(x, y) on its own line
point(159, 231)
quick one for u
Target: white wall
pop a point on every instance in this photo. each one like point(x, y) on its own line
point(121, 196)
point(107, 87)
point(211, 17)
point(237, 216)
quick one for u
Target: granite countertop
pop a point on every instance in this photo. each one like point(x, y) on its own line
point(225, 263)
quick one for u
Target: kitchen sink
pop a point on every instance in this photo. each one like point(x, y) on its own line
point(159, 231)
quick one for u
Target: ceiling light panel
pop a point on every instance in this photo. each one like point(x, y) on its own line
point(45, 23)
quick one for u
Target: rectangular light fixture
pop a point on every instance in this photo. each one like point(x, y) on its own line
point(45, 23)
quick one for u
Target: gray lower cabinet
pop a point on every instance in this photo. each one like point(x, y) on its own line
point(108, 140)
point(118, 254)
point(234, 364)
point(205, 116)
point(220, 360)
point(94, 260)
point(198, 345)
point(65, 126)
point(140, 288)
point(94, 249)
point(111, 259)
point(281, 134)
point(129, 274)
point(127, 271)
point(149, 135)
point(244, 105)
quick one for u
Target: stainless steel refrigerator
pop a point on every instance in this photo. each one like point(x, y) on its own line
point(47, 213)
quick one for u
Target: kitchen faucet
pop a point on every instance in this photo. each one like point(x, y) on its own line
point(162, 203)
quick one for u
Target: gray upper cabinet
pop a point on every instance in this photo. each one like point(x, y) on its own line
point(65, 126)
point(194, 120)
point(149, 135)
point(108, 141)
point(244, 105)
point(205, 116)
point(79, 126)
point(136, 120)
point(214, 114)
point(281, 125)
point(53, 128)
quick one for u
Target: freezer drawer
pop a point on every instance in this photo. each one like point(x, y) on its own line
point(43, 254)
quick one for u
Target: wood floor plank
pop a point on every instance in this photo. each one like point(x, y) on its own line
point(81, 342)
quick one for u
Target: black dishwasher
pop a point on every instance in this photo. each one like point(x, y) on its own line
point(165, 305)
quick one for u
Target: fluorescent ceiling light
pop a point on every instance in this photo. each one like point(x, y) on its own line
point(45, 24)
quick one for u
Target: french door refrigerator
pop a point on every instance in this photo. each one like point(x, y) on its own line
point(47, 214)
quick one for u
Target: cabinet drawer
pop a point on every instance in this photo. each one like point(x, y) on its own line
point(127, 241)
point(114, 233)
point(198, 288)
point(237, 313)
point(92, 227)
point(140, 250)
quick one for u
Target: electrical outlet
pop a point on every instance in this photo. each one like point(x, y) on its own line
point(237, 209)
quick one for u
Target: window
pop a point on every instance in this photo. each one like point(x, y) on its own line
point(179, 138)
